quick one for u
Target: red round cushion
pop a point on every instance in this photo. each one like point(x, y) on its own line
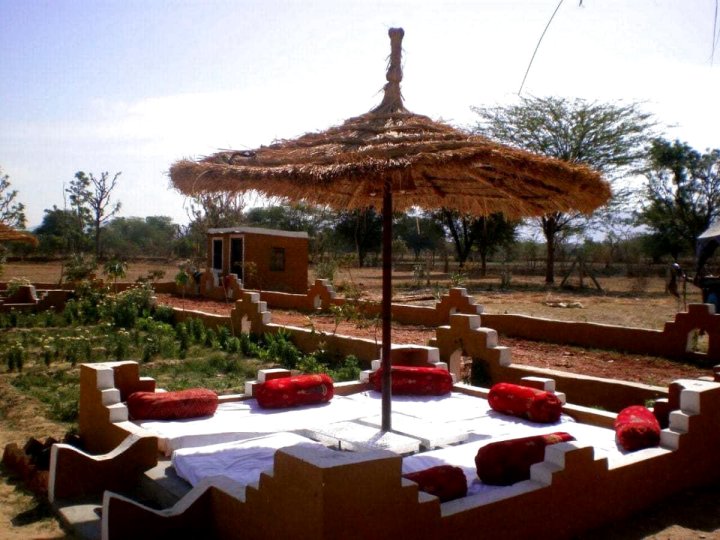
point(505, 462)
point(190, 403)
point(525, 402)
point(636, 427)
point(411, 380)
point(294, 391)
point(446, 482)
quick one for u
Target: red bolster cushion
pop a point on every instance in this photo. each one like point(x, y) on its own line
point(636, 427)
point(295, 391)
point(525, 402)
point(419, 381)
point(190, 403)
point(446, 482)
point(505, 462)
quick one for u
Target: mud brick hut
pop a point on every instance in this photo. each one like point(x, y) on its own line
point(260, 258)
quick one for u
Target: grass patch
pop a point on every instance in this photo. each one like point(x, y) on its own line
point(223, 373)
point(57, 389)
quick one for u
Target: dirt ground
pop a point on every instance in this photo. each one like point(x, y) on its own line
point(23, 516)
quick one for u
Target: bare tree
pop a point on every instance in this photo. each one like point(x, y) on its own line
point(90, 196)
point(12, 213)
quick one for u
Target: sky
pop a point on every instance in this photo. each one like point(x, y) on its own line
point(132, 86)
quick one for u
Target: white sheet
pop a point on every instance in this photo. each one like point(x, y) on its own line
point(242, 461)
point(245, 419)
point(496, 429)
point(240, 420)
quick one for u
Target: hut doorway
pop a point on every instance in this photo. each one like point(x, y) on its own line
point(217, 254)
point(236, 256)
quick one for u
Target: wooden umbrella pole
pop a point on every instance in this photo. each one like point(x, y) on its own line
point(392, 102)
point(386, 306)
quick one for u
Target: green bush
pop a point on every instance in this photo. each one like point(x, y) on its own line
point(125, 308)
point(15, 357)
point(278, 348)
point(233, 345)
point(211, 340)
point(223, 335)
point(160, 339)
point(78, 349)
point(87, 306)
point(183, 337)
point(349, 370)
point(164, 314)
point(119, 344)
point(196, 328)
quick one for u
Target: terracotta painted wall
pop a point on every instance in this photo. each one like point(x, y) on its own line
point(258, 250)
point(294, 279)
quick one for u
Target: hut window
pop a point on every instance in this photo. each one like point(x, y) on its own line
point(277, 259)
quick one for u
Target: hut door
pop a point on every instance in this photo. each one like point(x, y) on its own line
point(236, 257)
point(217, 256)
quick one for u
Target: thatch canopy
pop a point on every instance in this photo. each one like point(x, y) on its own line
point(8, 234)
point(431, 165)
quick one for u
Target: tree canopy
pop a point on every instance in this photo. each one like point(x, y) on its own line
point(90, 199)
point(12, 212)
point(682, 194)
point(610, 138)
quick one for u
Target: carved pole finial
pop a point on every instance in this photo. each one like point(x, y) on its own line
point(392, 100)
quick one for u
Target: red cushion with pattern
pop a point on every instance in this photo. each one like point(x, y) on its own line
point(525, 402)
point(191, 403)
point(505, 462)
point(636, 427)
point(446, 482)
point(420, 381)
point(294, 391)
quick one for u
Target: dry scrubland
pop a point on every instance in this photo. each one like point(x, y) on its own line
point(637, 302)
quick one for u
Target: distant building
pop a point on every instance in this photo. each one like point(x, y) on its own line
point(261, 258)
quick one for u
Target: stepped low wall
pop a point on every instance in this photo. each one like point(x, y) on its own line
point(326, 494)
point(463, 338)
point(673, 341)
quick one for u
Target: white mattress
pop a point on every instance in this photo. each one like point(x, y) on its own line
point(242, 461)
point(229, 444)
point(240, 420)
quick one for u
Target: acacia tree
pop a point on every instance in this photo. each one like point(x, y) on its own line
point(12, 213)
point(90, 198)
point(682, 194)
point(610, 138)
point(486, 233)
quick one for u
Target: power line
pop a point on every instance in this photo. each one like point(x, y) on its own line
point(540, 41)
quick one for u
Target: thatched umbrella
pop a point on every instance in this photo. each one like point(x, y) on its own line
point(8, 234)
point(394, 159)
